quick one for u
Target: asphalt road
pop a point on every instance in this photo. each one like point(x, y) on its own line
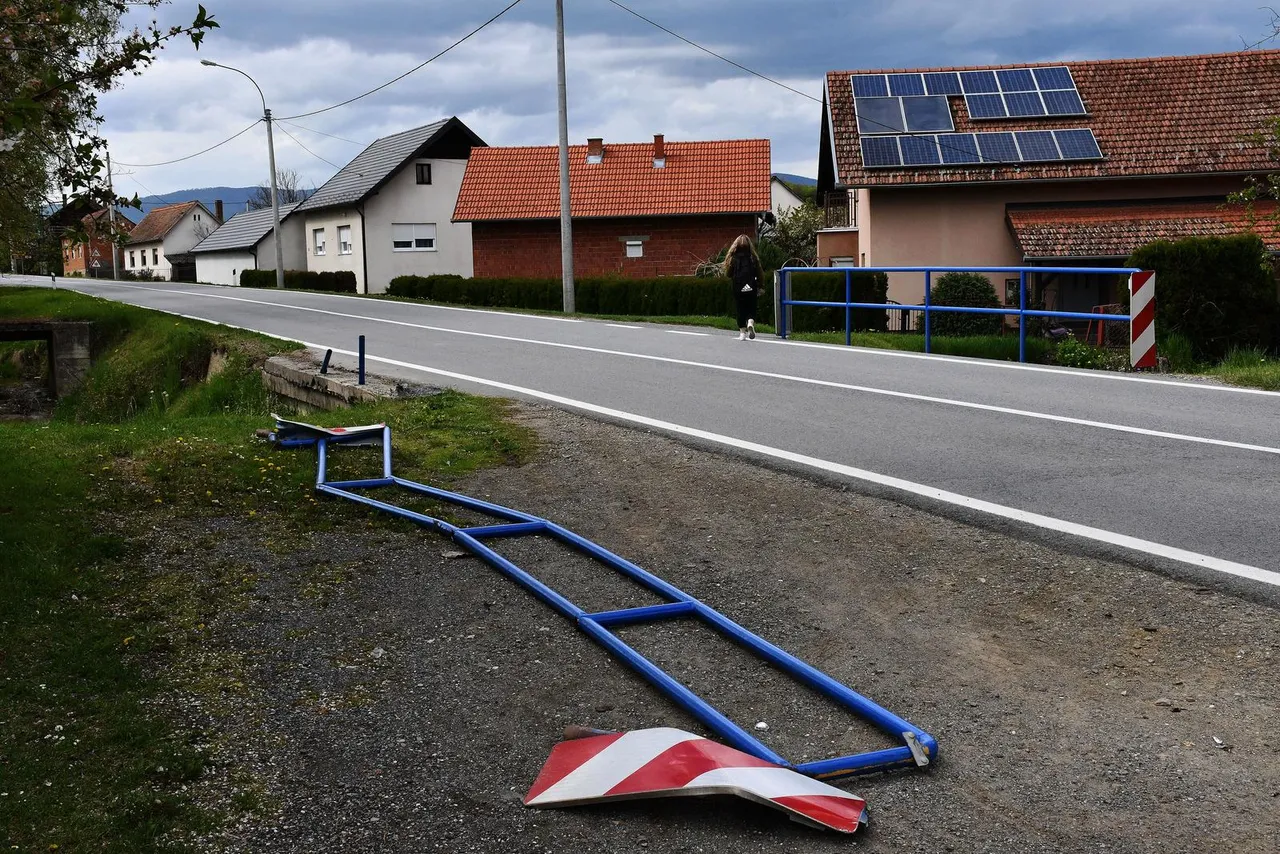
point(1179, 476)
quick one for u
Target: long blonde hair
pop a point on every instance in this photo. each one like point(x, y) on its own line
point(738, 242)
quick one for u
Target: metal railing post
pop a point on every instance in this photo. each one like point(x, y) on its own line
point(928, 286)
point(1022, 316)
point(848, 309)
point(780, 302)
point(361, 379)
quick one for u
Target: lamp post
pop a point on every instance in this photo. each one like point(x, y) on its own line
point(271, 153)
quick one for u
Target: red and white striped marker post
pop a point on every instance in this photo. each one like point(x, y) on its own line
point(1142, 328)
point(651, 763)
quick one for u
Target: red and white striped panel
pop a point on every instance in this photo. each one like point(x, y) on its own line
point(650, 763)
point(1142, 329)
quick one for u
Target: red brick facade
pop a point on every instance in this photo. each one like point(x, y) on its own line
point(671, 246)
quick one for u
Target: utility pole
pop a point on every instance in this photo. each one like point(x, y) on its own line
point(275, 200)
point(111, 218)
point(566, 222)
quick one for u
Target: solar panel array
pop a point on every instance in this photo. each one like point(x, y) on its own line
point(905, 119)
point(979, 149)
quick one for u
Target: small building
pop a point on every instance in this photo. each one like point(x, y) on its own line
point(639, 209)
point(1049, 164)
point(247, 241)
point(162, 242)
point(781, 197)
point(88, 252)
point(387, 212)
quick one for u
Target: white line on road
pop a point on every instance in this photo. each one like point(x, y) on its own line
point(1100, 535)
point(944, 401)
point(623, 326)
point(682, 332)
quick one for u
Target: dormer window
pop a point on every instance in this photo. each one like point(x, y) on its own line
point(423, 173)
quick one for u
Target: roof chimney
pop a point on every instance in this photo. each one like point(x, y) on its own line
point(595, 149)
point(217, 210)
point(659, 152)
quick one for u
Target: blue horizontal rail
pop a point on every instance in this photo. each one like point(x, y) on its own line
point(785, 302)
point(918, 747)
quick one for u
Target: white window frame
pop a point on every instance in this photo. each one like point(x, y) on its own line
point(412, 234)
point(155, 255)
point(344, 246)
point(132, 258)
point(634, 248)
point(317, 241)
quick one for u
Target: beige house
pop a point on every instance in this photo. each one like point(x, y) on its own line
point(1046, 164)
point(388, 212)
point(164, 240)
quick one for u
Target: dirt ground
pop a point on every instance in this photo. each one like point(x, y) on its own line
point(391, 697)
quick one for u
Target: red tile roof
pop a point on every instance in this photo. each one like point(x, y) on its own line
point(723, 176)
point(1174, 115)
point(1103, 230)
point(160, 221)
point(97, 221)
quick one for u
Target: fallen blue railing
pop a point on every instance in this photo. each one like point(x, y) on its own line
point(784, 301)
point(917, 747)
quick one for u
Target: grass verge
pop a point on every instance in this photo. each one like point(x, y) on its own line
point(92, 640)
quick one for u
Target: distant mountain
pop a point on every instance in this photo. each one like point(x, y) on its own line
point(798, 180)
point(234, 199)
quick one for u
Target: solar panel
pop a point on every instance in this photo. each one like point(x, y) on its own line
point(870, 86)
point(1016, 80)
point(979, 81)
point(880, 151)
point(1037, 145)
point(985, 106)
point(879, 115)
point(1054, 77)
point(958, 148)
point(1024, 104)
point(1078, 144)
point(905, 84)
point(943, 83)
point(1063, 102)
point(919, 150)
point(927, 113)
point(997, 147)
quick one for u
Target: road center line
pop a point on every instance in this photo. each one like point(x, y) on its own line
point(1112, 538)
point(943, 401)
point(682, 332)
point(623, 326)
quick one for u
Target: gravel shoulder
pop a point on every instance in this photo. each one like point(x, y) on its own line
point(391, 697)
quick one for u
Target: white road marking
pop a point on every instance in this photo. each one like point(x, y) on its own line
point(944, 401)
point(1100, 535)
point(623, 326)
point(681, 332)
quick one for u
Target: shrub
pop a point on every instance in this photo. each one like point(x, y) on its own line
point(971, 290)
point(339, 281)
point(830, 287)
point(1071, 353)
point(1218, 292)
point(1178, 352)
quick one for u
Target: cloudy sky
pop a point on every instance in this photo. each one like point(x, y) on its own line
point(626, 79)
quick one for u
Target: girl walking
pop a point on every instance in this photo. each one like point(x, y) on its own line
point(742, 266)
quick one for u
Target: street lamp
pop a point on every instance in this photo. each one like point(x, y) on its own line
point(271, 153)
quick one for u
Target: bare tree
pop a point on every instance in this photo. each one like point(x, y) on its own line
point(289, 189)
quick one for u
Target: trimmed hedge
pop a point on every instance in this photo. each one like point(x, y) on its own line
point(340, 281)
point(1217, 292)
point(663, 296)
point(964, 290)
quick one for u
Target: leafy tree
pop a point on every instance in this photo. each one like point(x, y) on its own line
point(56, 58)
point(794, 235)
point(289, 189)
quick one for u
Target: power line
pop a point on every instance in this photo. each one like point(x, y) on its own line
point(190, 156)
point(504, 11)
point(984, 159)
point(322, 133)
point(307, 150)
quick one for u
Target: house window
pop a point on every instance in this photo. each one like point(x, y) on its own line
point(155, 255)
point(413, 236)
point(132, 261)
point(635, 248)
point(424, 173)
point(317, 240)
point(344, 240)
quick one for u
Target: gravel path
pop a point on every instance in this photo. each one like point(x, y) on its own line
point(398, 699)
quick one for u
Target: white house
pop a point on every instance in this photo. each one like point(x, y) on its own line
point(247, 241)
point(387, 213)
point(165, 236)
point(783, 197)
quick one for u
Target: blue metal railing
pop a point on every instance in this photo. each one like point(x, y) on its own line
point(915, 746)
point(784, 302)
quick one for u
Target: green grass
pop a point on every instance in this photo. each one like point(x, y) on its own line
point(89, 638)
point(1250, 367)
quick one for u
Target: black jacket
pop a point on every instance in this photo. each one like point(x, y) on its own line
point(743, 270)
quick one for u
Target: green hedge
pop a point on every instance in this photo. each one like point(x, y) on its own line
point(663, 296)
point(1218, 292)
point(340, 281)
point(964, 290)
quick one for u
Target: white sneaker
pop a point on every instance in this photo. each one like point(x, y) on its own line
point(742, 336)
point(751, 330)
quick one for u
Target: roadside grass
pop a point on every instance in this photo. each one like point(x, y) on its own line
point(93, 638)
point(1250, 367)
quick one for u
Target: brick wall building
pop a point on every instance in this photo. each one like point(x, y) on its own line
point(639, 209)
point(90, 254)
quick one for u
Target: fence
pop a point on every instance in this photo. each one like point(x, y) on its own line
point(783, 303)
